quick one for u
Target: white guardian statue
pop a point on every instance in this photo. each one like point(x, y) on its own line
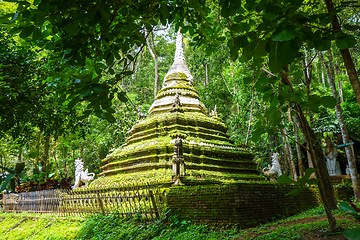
point(274, 171)
point(81, 176)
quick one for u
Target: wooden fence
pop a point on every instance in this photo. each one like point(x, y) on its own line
point(145, 199)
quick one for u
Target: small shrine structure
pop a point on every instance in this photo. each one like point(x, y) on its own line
point(178, 139)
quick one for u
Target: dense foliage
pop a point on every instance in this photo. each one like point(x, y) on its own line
point(73, 73)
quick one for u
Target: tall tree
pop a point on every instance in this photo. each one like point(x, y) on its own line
point(151, 47)
point(344, 133)
point(345, 41)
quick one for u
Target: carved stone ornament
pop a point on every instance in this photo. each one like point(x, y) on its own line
point(81, 176)
point(176, 101)
point(176, 107)
point(274, 171)
point(178, 166)
point(214, 113)
point(331, 153)
point(141, 115)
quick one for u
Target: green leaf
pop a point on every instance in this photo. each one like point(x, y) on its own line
point(122, 97)
point(274, 58)
point(105, 14)
point(27, 31)
point(85, 92)
point(71, 29)
point(345, 42)
point(352, 233)
point(283, 33)
point(164, 10)
point(7, 180)
point(241, 41)
point(313, 181)
point(10, 170)
point(225, 11)
point(294, 192)
point(19, 167)
point(86, 113)
point(234, 53)
point(99, 88)
point(5, 18)
point(37, 34)
point(260, 49)
point(256, 135)
point(109, 117)
point(314, 101)
point(12, 184)
point(131, 58)
point(285, 179)
point(73, 102)
point(309, 171)
point(26, 14)
point(110, 59)
point(235, 28)
point(248, 80)
point(321, 43)
point(110, 110)
point(346, 207)
point(127, 73)
point(351, 27)
point(328, 101)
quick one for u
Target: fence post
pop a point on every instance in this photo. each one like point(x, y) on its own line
point(101, 204)
point(41, 203)
point(154, 204)
point(4, 201)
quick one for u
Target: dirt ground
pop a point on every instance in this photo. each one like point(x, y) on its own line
point(310, 235)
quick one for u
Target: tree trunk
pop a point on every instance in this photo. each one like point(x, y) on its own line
point(345, 136)
point(46, 152)
point(152, 51)
point(326, 188)
point(322, 75)
point(20, 155)
point(222, 77)
point(298, 151)
point(286, 156)
point(307, 76)
point(290, 154)
point(325, 65)
point(237, 104)
point(338, 73)
point(251, 113)
point(307, 71)
point(349, 64)
point(206, 73)
point(273, 144)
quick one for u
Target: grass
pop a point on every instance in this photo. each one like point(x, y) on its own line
point(114, 227)
point(37, 226)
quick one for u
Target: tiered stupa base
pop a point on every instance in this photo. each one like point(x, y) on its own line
point(206, 151)
point(203, 151)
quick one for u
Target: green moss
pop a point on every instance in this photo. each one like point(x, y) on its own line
point(161, 175)
point(26, 229)
point(177, 75)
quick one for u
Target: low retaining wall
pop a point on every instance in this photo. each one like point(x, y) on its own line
point(244, 204)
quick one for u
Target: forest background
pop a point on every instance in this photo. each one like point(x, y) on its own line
point(72, 74)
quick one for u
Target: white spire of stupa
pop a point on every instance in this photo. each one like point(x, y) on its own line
point(179, 52)
point(179, 65)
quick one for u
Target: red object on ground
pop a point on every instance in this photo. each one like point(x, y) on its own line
point(355, 207)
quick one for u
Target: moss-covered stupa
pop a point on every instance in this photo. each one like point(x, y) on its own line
point(179, 139)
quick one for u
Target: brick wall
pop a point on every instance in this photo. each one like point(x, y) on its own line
point(244, 204)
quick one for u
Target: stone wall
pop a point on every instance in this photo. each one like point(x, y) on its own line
point(344, 192)
point(244, 204)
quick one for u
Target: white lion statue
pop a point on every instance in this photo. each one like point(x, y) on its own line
point(274, 171)
point(81, 176)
